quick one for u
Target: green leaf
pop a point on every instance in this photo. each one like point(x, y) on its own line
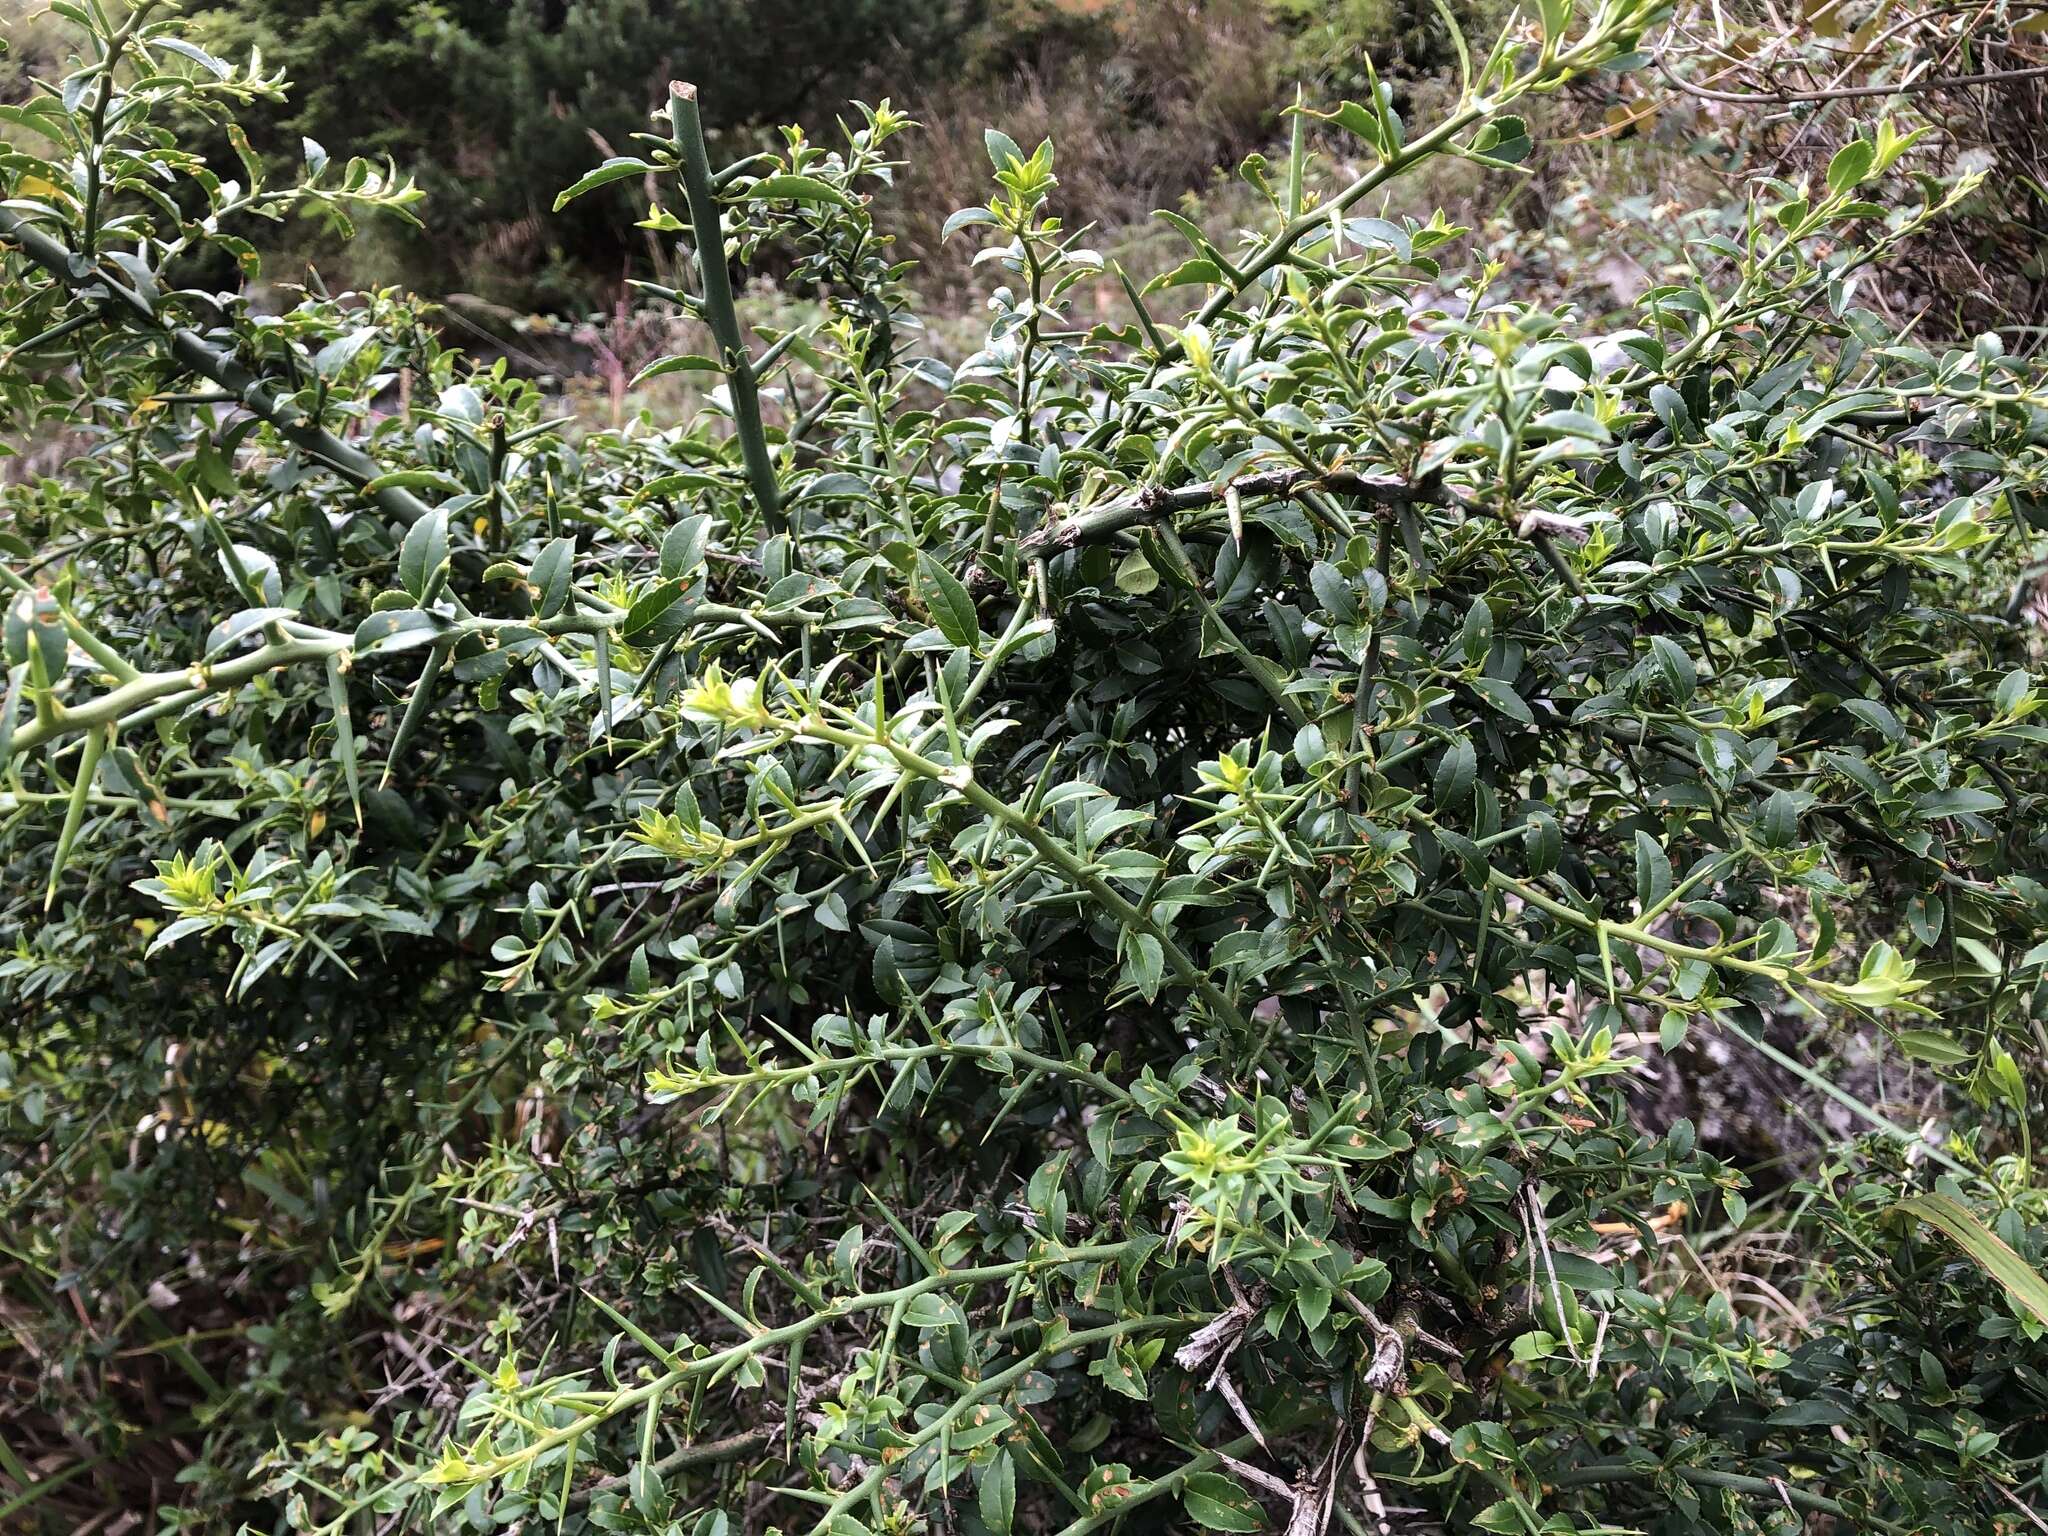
point(999, 1494)
point(951, 608)
point(1353, 118)
point(344, 735)
point(1571, 424)
point(682, 547)
point(1851, 165)
point(1653, 872)
point(798, 189)
point(1504, 699)
point(1877, 716)
point(1675, 667)
point(552, 568)
point(1196, 270)
point(1477, 635)
point(651, 605)
point(1451, 785)
point(220, 69)
point(682, 363)
point(1219, 1502)
point(1135, 575)
point(1813, 1413)
point(1542, 843)
point(645, 1487)
point(393, 630)
point(1956, 802)
point(1503, 1517)
point(1931, 1045)
point(1582, 1274)
point(1670, 409)
point(1002, 149)
point(423, 553)
point(1990, 1252)
point(1109, 1484)
point(965, 218)
point(1777, 820)
point(618, 168)
point(1333, 592)
point(1120, 1373)
point(1505, 139)
point(1309, 746)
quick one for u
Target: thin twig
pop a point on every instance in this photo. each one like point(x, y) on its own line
point(1853, 92)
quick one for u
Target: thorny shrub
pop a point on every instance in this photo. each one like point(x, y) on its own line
point(1044, 945)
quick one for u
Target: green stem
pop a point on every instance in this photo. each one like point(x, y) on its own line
point(16, 799)
point(1368, 673)
point(1262, 671)
point(721, 1362)
point(110, 61)
point(1033, 1060)
point(142, 696)
point(152, 686)
point(688, 134)
point(700, 1454)
point(1706, 1477)
point(194, 353)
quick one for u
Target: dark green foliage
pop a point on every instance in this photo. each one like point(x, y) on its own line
point(1044, 944)
point(496, 104)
